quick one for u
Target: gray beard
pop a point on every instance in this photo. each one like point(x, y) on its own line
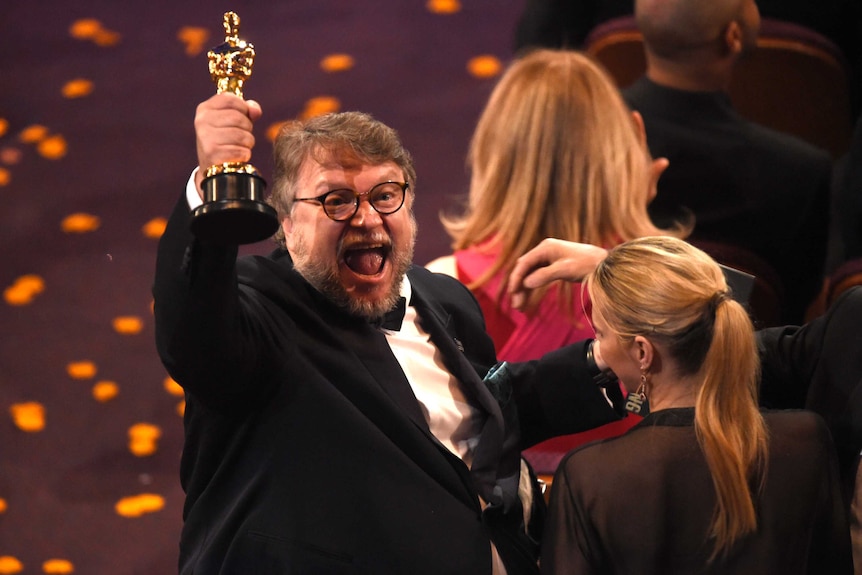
point(325, 279)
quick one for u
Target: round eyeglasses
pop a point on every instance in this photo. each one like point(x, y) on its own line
point(341, 205)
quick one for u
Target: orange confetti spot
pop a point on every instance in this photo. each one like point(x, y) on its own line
point(31, 282)
point(53, 148)
point(105, 38)
point(92, 29)
point(181, 408)
point(24, 290)
point(80, 223)
point(10, 156)
point(337, 63)
point(85, 28)
point(172, 387)
point(143, 439)
point(272, 131)
point(77, 88)
point(443, 6)
point(104, 391)
point(3, 505)
point(10, 565)
point(81, 369)
point(17, 296)
point(484, 66)
point(4, 126)
point(58, 566)
point(194, 38)
point(28, 416)
point(128, 325)
point(5, 177)
point(138, 505)
point(33, 134)
point(319, 106)
point(155, 228)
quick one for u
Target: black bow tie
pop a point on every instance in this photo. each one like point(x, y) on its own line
point(393, 319)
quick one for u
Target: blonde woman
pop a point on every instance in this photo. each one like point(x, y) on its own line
point(706, 483)
point(556, 153)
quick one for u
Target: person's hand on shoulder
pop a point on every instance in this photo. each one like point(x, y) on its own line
point(552, 260)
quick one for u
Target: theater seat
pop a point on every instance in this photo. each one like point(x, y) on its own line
point(767, 293)
point(617, 44)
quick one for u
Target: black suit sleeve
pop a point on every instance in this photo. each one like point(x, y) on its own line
point(558, 395)
point(202, 335)
point(819, 367)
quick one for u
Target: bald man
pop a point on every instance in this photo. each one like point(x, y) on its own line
point(745, 185)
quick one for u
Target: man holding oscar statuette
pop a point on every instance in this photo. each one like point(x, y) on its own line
point(345, 412)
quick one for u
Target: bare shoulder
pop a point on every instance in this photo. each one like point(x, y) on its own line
point(443, 265)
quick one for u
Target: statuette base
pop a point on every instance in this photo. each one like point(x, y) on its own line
point(233, 211)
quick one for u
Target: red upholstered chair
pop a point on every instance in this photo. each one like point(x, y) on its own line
point(618, 45)
point(545, 457)
point(797, 81)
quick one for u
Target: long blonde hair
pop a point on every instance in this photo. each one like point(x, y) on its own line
point(665, 289)
point(555, 153)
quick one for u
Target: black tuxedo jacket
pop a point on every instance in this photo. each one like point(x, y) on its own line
point(819, 366)
point(306, 451)
point(746, 185)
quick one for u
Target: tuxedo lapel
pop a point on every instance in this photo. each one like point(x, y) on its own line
point(375, 383)
point(373, 350)
point(436, 321)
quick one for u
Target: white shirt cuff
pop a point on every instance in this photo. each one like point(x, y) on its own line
point(192, 197)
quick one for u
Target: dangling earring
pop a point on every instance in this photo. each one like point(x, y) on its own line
point(641, 392)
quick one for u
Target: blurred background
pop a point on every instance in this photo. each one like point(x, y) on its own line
point(97, 100)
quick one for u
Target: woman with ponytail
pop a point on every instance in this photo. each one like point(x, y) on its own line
point(706, 483)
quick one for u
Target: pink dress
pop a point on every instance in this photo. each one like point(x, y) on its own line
point(519, 337)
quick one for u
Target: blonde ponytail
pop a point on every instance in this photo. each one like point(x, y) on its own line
point(729, 427)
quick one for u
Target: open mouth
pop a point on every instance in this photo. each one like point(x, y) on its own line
point(366, 261)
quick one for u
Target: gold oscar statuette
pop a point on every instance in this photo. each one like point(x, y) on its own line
point(233, 211)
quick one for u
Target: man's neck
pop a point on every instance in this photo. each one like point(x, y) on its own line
point(701, 77)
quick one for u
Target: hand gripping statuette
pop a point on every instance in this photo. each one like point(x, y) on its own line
point(233, 211)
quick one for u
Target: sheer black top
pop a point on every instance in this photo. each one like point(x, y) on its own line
point(642, 503)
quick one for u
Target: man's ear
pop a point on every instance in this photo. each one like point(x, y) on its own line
point(734, 39)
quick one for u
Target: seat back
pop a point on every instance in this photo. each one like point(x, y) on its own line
point(767, 293)
point(796, 82)
point(618, 45)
